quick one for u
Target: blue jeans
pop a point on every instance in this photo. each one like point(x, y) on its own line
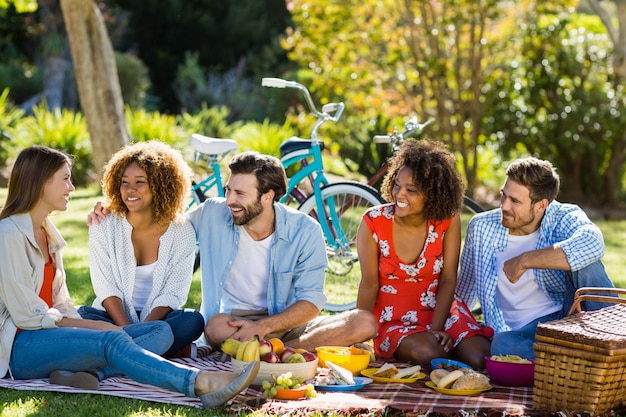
point(520, 341)
point(36, 353)
point(187, 325)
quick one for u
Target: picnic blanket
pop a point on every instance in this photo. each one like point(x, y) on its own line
point(376, 398)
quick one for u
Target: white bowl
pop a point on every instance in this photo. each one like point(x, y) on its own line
point(304, 370)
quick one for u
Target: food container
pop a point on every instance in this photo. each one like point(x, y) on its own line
point(580, 360)
point(511, 374)
point(304, 370)
point(346, 357)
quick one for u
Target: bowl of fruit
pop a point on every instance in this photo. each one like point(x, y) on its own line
point(275, 357)
point(287, 387)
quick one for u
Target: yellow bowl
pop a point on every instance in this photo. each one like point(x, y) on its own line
point(344, 357)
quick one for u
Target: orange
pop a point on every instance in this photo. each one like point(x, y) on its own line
point(277, 345)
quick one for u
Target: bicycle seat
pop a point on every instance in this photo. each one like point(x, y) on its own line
point(211, 146)
point(295, 144)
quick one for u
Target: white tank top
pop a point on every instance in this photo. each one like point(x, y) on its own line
point(143, 285)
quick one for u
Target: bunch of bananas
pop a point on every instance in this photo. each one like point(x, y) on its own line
point(247, 351)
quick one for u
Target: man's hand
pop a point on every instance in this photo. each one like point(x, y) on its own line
point(247, 329)
point(99, 212)
point(513, 268)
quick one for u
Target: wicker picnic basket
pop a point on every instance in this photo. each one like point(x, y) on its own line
point(580, 360)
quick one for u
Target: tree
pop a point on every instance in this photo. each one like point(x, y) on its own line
point(402, 57)
point(96, 77)
point(558, 99)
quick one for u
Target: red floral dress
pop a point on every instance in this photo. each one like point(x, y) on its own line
point(407, 293)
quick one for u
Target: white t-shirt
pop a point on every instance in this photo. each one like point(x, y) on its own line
point(523, 301)
point(143, 285)
point(246, 285)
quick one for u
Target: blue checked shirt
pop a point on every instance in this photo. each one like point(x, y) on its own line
point(563, 225)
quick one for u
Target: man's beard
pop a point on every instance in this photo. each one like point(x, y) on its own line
point(249, 213)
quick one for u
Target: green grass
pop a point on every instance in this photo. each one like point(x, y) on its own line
point(73, 226)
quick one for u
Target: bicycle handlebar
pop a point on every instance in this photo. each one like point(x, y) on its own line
point(330, 111)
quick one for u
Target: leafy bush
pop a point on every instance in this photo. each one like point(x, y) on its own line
point(134, 79)
point(144, 126)
point(9, 116)
point(64, 130)
point(209, 121)
point(263, 137)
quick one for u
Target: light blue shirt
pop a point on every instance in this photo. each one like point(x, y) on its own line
point(297, 256)
point(563, 225)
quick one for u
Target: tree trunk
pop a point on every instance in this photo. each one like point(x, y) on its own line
point(96, 78)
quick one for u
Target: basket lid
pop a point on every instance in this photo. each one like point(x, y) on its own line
point(602, 330)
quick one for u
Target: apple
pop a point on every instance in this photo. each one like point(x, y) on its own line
point(287, 352)
point(264, 347)
point(296, 358)
point(308, 356)
point(270, 357)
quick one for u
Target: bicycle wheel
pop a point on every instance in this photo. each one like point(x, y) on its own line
point(346, 202)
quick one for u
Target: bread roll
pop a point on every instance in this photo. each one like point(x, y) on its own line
point(437, 374)
point(471, 381)
point(449, 378)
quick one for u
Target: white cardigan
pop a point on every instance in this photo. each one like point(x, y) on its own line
point(113, 265)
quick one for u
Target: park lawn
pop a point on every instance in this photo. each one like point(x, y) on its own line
point(73, 226)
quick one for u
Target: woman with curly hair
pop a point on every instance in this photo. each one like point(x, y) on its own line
point(141, 260)
point(409, 254)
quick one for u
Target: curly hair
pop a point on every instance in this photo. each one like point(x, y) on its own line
point(169, 178)
point(434, 174)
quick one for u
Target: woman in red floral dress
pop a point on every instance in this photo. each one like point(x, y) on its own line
point(409, 254)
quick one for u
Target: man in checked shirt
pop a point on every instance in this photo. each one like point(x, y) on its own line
point(524, 261)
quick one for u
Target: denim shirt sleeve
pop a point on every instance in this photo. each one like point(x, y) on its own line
point(298, 261)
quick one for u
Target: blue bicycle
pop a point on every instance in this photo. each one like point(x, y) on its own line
point(337, 206)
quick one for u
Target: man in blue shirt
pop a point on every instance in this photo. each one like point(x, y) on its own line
point(263, 265)
point(524, 261)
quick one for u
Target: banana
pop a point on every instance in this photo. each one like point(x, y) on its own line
point(251, 352)
point(240, 350)
point(230, 346)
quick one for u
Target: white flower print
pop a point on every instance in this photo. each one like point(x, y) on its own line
point(375, 212)
point(462, 310)
point(410, 270)
point(384, 346)
point(389, 289)
point(409, 317)
point(428, 299)
point(437, 266)
point(432, 235)
point(407, 329)
point(392, 329)
point(388, 212)
point(450, 321)
point(392, 276)
point(386, 314)
point(384, 248)
point(473, 326)
point(375, 237)
point(460, 338)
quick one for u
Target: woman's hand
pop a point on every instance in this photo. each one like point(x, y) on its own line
point(443, 339)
